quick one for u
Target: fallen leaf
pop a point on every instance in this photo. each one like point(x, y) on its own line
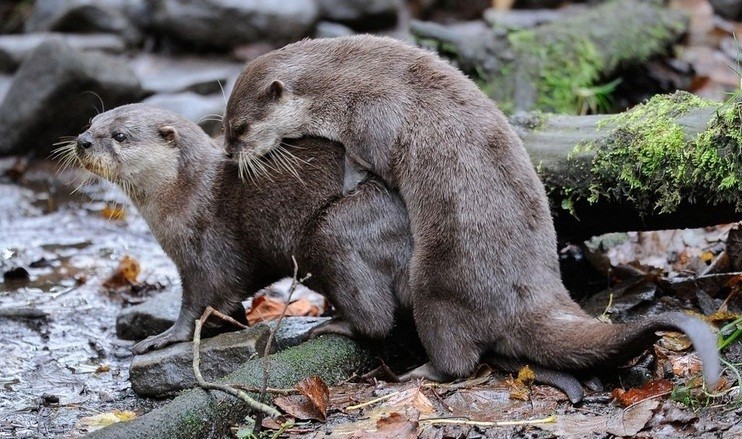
point(675, 341)
point(104, 419)
point(686, 365)
point(647, 390)
point(520, 387)
point(316, 392)
point(299, 406)
point(265, 308)
point(125, 274)
point(626, 422)
point(392, 426)
point(412, 397)
point(114, 212)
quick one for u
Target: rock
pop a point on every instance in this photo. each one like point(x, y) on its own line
point(15, 48)
point(729, 9)
point(206, 111)
point(169, 370)
point(160, 74)
point(521, 19)
point(5, 81)
point(328, 29)
point(56, 91)
point(149, 318)
point(222, 24)
point(111, 16)
point(362, 15)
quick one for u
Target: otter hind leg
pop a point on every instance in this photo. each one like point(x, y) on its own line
point(426, 371)
point(180, 331)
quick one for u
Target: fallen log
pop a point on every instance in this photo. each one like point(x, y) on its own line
point(557, 67)
point(672, 162)
point(198, 413)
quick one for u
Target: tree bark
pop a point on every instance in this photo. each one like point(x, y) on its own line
point(199, 414)
point(572, 155)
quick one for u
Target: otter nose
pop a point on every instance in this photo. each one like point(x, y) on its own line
point(84, 141)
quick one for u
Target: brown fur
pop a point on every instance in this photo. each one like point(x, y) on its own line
point(484, 274)
point(228, 238)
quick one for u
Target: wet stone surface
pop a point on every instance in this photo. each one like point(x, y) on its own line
point(57, 369)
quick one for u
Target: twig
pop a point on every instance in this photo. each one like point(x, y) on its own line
point(272, 390)
point(463, 421)
point(252, 403)
point(228, 319)
point(373, 401)
point(295, 281)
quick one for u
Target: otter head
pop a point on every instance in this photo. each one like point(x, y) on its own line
point(262, 110)
point(135, 146)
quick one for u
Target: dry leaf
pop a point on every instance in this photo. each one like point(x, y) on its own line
point(104, 419)
point(675, 341)
point(114, 212)
point(412, 397)
point(299, 406)
point(526, 376)
point(647, 390)
point(266, 308)
point(624, 423)
point(316, 392)
point(125, 274)
point(686, 365)
point(520, 388)
point(397, 426)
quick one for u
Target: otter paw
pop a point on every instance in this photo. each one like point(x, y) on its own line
point(426, 371)
point(159, 341)
point(333, 326)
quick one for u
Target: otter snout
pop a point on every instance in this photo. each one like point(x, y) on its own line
point(85, 140)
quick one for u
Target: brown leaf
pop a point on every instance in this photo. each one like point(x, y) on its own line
point(397, 426)
point(316, 392)
point(646, 391)
point(299, 406)
point(686, 365)
point(675, 341)
point(266, 308)
point(413, 397)
point(125, 274)
point(622, 423)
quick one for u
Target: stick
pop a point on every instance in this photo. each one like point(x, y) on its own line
point(252, 403)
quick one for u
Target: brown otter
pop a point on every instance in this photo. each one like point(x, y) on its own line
point(484, 274)
point(229, 239)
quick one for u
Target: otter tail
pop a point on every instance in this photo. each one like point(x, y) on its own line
point(579, 342)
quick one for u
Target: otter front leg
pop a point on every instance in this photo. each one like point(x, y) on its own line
point(182, 330)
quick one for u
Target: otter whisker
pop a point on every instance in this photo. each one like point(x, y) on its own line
point(284, 157)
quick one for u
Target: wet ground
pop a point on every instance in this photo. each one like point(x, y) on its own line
point(61, 360)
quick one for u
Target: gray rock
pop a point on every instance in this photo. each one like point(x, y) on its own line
point(15, 48)
point(361, 14)
point(328, 29)
point(149, 318)
point(112, 16)
point(729, 9)
point(56, 91)
point(521, 18)
point(169, 370)
point(206, 111)
point(227, 23)
point(161, 74)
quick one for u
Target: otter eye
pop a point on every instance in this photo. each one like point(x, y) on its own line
point(242, 129)
point(119, 137)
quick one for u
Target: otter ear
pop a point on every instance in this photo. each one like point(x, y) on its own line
point(275, 91)
point(169, 133)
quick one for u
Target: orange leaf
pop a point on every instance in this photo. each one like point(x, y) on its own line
point(316, 392)
point(646, 391)
point(266, 308)
point(125, 274)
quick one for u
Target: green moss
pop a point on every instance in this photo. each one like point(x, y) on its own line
point(648, 159)
point(563, 63)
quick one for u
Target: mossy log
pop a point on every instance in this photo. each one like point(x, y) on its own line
point(199, 414)
point(672, 162)
point(557, 67)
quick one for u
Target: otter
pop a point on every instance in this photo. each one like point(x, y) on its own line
point(484, 274)
point(228, 239)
